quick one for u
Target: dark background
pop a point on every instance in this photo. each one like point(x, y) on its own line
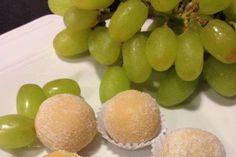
point(14, 13)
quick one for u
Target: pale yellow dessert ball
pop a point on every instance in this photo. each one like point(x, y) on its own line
point(190, 142)
point(62, 153)
point(132, 117)
point(65, 122)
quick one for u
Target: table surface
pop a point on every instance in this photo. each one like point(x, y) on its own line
point(14, 13)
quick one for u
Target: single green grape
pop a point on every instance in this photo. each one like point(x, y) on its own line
point(113, 82)
point(59, 7)
point(16, 131)
point(230, 12)
point(69, 43)
point(190, 56)
point(220, 76)
point(101, 46)
point(61, 86)
point(173, 90)
point(161, 48)
point(78, 19)
point(164, 5)
point(135, 62)
point(220, 41)
point(209, 7)
point(29, 99)
point(127, 19)
point(92, 4)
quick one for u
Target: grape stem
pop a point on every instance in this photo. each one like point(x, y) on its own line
point(233, 24)
point(202, 21)
point(104, 16)
point(188, 11)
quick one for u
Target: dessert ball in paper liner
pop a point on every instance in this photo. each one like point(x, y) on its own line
point(189, 142)
point(61, 153)
point(131, 120)
point(65, 122)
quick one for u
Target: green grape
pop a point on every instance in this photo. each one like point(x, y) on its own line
point(220, 76)
point(230, 12)
point(161, 48)
point(61, 86)
point(92, 4)
point(209, 7)
point(190, 56)
point(152, 84)
point(77, 19)
point(113, 82)
point(220, 41)
point(135, 62)
point(29, 99)
point(173, 90)
point(101, 46)
point(59, 7)
point(68, 43)
point(164, 5)
point(127, 19)
point(16, 131)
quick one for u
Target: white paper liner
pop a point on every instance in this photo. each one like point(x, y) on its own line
point(158, 144)
point(128, 146)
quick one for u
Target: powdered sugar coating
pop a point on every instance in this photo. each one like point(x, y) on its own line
point(62, 153)
point(132, 117)
point(65, 122)
point(189, 142)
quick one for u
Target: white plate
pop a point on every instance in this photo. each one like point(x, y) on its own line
point(27, 56)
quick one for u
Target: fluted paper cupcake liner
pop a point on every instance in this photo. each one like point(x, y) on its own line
point(157, 145)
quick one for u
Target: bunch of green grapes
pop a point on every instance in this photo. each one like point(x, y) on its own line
point(17, 130)
point(185, 38)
